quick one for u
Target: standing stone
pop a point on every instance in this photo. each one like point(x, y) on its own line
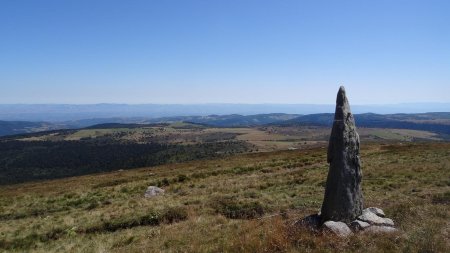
point(343, 199)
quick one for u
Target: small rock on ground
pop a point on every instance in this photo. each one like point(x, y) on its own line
point(374, 219)
point(153, 191)
point(339, 228)
point(376, 211)
point(358, 225)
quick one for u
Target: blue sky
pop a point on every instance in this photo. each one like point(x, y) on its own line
point(87, 51)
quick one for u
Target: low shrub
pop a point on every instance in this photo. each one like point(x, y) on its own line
point(92, 205)
point(174, 214)
point(163, 182)
point(152, 219)
point(110, 183)
point(181, 178)
point(441, 198)
point(234, 209)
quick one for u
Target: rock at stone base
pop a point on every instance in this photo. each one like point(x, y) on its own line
point(376, 211)
point(358, 225)
point(380, 229)
point(337, 227)
point(153, 191)
point(374, 219)
point(312, 222)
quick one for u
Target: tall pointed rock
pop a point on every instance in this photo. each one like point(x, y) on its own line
point(343, 199)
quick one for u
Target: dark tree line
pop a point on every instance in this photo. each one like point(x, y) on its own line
point(22, 161)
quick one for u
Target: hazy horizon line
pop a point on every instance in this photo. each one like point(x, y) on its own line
point(218, 103)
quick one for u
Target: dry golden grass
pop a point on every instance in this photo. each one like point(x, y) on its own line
point(226, 205)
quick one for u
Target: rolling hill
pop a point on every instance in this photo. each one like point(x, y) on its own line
point(19, 127)
point(438, 122)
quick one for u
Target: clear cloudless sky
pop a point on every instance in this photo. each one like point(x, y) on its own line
point(224, 51)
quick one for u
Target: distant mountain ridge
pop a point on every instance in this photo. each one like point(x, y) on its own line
point(75, 112)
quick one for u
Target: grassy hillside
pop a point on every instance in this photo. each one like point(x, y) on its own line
point(244, 203)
